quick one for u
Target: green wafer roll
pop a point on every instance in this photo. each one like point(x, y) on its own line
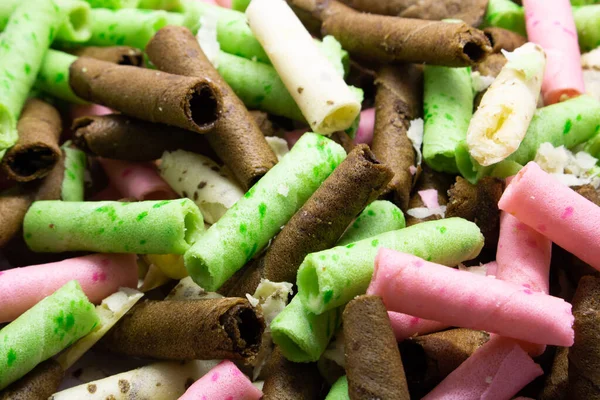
point(73, 182)
point(447, 109)
point(301, 335)
point(28, 34)
point(44, 330)
point(247, 227)
point(240, 5)
point(167, 5)
point(378, 217)
point(53, 78)
point(145, 227)
point(506, 14)
point(592, 146)
point(587, 21)
point(331, 278)
point(339, 390)
point(113, 4)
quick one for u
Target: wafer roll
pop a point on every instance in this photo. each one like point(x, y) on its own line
point(122, 55)
point(589, 192)
point(584, 356)
point(189, 103)
point(237, 138)
point(557, 381)
point(14, 203)
point(429, 179)
point(291, 381)
point(398, 101)
point(503, 39)
point(37, 151)
point(121, 137)
point(386, 39)
point(38, 384)
point(189, 330)
point(492, 65)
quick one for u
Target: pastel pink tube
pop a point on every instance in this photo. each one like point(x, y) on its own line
point(568, 219)
point(406, 326)
point(82, 110)
point(99, 275)
point(138, 180)
point(366, 126)
point(411, 285)
point(496, 371)
point(223, 382)
point(293, 136)
point(551, 25)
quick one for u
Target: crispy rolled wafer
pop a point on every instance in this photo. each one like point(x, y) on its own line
point(398, 101)
point(557, 380)
point(373, 364)
point(503, 39)
point(237, 138)
point(584, 356)
point(14, 203)
point(125, 138)
point(492, 65)
point(189, 330)
point(589, 192)
point(429, 179)
point(291, 381)
point(430, 358)
point(478, 203)
point(386, 39)
point(189, 103)
point(38, 384)
point(36, 151)
point(122, 55)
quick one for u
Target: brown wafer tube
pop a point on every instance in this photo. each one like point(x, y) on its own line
point(584, 356)
point(122, 55)
point(291, 381)
point(492, 65)
point(14, 204)
point(189, 330)
point(237, 139)
point(397, 102)
point(429, 179)
point(121, 137)
point(373, 364)
point(37, 151)
point(469, 11)
point(557, 381)
point(189, 103)
point(503, 39)
point(39, 383)
point(428, 359)
point(387, 39)
point(479, 204)
point(589, 192)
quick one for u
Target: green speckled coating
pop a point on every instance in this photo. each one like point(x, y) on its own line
point(339, 390)
point(145, 227)
point(331, 278)
point(44, 330)
point(587, 21)
point(378, 217)
point(301, 335)
point(73, 183)
point(113, 4)
point(247, 227)
point(447, 110)
point(506, 14)
point(28, 34)
point(53, 78)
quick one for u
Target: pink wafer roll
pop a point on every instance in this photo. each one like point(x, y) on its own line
point(411, 285)
point(551, 25)
point(293, 136)
point(568, 219)
point(83, 110)
point(223, 382)
point(491, 268)
point(406, 326)
point(496, 371)
point(366, 126)
point(138, 180)
point(99, 275)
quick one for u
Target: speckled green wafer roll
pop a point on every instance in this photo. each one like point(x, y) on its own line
point(258, 86)
point(506, 14)
point(73, 183)
point(331, 278)
point(113, 4)
point(447, 109)
point(44, 330)
point(339, 390)
point(20, 59)
point(145, 227)
point(592, 146)
point(378, 217)
point(587, 21)
point(248, 226)
point(53, 78)
point(301, 335)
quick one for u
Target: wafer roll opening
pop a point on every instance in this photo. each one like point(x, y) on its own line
point(244, 328)
point(202, 105)
point(34, 159)
point(475, 51)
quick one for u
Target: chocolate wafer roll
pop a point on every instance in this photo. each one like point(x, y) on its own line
point(37, 150)
point(503, 39)
point(189, 330)
point(14, 203)
point(122, 55)
point(469, 11)
point(430, 358)
point(397, 102)
point(386, 39)
point(237, 139)
point(478, 203)
point(38, 384)
point(373, 364)
point(429, 179)
point(492, 65)
point(121, 137)
point(189, 103)
point(584, 356)
point(291, 381)
point(555, 387)
point(589, 192)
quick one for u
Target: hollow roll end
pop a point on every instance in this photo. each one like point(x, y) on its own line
point(338, 118)
point(31, 162)
point(204, 106)
point(244, 326)
point(475, 46)
point(77, 24)
point(309, 288)
point(200, 272)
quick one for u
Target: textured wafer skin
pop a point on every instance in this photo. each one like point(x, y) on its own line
point(291, 381)
point(122, 55)
point(503, 39)
point(38, 384)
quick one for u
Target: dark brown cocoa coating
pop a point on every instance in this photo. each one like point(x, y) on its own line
point(40, 383)
point(503, 39)
point(122, 55)
point(291, 381)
